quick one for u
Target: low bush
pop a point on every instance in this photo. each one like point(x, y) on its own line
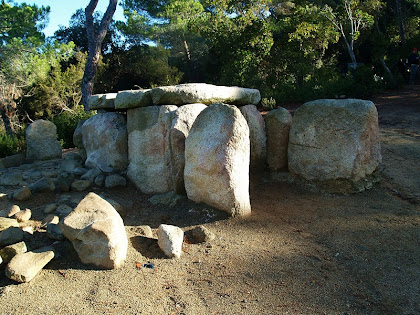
point(10, 145)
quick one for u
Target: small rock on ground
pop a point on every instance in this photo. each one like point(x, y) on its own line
point(170, 240)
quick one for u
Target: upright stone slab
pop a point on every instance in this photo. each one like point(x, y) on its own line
point(204, 93)
point(257, 136)
point(277, 122)
point(97, 232)
point(181, 125)
point(335, 143)
point(149, 154)
point(41, 141)
point(217, 154)
point(78, 139)
point(105, 141)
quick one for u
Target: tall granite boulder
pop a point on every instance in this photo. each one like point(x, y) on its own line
point(78, 139)
point(277, 122)
point(184, 118)
point(105, 141)
point(217, 154)
point(149, 153)
point(41, 141)
point(97, 232)
point(257, 136)
point(335, 144)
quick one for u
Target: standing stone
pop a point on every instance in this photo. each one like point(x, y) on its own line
point(105, 141)
point(335, 143)
point(41, 141)
point(277, 122)
point(78, 139)
point(217, 154)
point(181, 125)
point(204, 93)
point(170, 240)
point(97, 232)
point(24, 267)
point(257, 136)
point(149, 153)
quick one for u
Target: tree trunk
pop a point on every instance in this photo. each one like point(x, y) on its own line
point(400, 21)
point(94, 45)
point(6, 121)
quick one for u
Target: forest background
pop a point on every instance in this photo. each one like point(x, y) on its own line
point(292, 51)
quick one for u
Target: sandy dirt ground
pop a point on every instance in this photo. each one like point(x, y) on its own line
point(300, 252)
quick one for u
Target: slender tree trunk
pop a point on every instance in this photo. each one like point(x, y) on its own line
point(6, 121)
point(381, 58)
point(400, 21)
point(95, 40)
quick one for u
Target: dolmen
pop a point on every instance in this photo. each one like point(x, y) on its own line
point(204, 140)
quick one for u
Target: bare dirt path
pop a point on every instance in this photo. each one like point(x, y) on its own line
point(300, 252)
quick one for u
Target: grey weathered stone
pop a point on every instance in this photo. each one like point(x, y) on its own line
point(73, 156)
point(204, 93)
point(5, 223)
point(22, 194)
point(201, 234)
point(184, 118)
point(277, 122)
point(115, 180)
point(80, 185)
point(12, 160)
point(8, 252)
point(50, 208)
point(97, 232)
point(102, 101)
point(149, 153)
point(217, 154)
point(64, 181)
point(105, 141)
point(144, 230)
point(54, 232)
point(170, 239)
point(80, 171)
point(169, 199)
point(91, 174)
point(335, 143)
point(41, 141)
point(11, 236)
point(23, 215)
point(11, 179)
point(78, 139)
point(257, 136)
point(133, 99)
point(99, 180)
point(69, 165)
point(63, 210)
point(45, 184)
point(25, 266)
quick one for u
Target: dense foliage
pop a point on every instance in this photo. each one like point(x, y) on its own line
point(292, 50)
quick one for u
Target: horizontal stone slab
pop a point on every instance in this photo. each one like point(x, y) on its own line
point(204, 93)
point(133, 99)
point(102, 101)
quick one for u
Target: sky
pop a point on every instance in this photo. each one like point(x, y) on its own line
point(62, 10)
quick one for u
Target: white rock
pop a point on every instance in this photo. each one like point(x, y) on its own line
point(170, 240)
point(24, 267)
point(277, 122)
point(8, 252)
point(257, 136)
point(335, 140)
point(13, 210)
point(184, 118)
point(217, 153)
point(97, 232)
point(204, 93)
point(149, 153)
point(23, 215)
point(105, 141)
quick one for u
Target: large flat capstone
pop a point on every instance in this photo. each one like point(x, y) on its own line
point(204, 93)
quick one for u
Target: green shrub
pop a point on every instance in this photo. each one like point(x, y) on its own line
point(10, 145)
point(66, 123)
